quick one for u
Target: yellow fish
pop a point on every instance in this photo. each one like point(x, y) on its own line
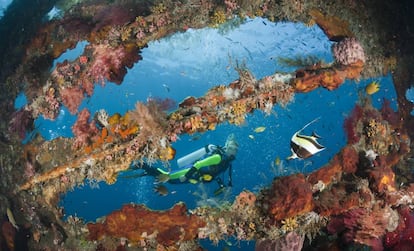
point(259, 129)
point(372, 87)
point(277, 161)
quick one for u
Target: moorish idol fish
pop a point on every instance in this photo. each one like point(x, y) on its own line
point(303, 146)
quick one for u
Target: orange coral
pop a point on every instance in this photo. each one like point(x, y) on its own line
point(349, 159)
point(327, 174)
point(334, 27)
point(288, 197)
point(330, 78)
point(137, 222)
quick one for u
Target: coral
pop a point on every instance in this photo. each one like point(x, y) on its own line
point(308, 79)
point(402, 238)
point(47, 104)
point(348, 51)
point(389, 114)
point(289, 225)
point(326, 174)
point(72, 98)
point(334, 27)
point(83, 129)
point(231, 6)
point(218, 17)
point(243, 200)
point(290, 242)
point(287, 197)
point(21, 121)
point(336, 200)
point(110, 63)
point(362, 226)
point(137, 223)
point(351, 122)
point(382, 177)
point(349, 159)
point(112, 15)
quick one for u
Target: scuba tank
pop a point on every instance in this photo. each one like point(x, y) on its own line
point(196, 155)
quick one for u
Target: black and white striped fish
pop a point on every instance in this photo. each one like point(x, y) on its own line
point(303, 146)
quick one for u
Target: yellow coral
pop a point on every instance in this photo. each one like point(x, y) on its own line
point(239, 111)
point(126, 32)
point(114, 119)
point(289, 224)
point(158, 9)
point(196, 123)
point(218, 18)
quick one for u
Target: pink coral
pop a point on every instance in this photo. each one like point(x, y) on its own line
point(290, 242)
point(110, 63)
point(403, 237)
point(348, 51)
point(231, 5)
point(361, 225)
point(72, 97)
point(84, 130)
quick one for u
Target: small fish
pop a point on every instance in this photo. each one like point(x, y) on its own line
point(277, 161)
point(162, 178)
point(372, 87)
point(259, 129)
point(11, 218)
point(251, 136)
point(303, 146)
point(167, 88)
point(161, 190)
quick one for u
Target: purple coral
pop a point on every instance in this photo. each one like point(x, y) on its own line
point(348, 51)
point(290, 242)
point(21, 121)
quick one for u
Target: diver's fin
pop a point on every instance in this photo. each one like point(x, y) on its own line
point(219, 190)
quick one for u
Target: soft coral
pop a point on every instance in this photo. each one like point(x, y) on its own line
point(403, 237)
point(351, 122)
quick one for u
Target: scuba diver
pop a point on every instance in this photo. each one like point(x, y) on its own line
point(202, 165)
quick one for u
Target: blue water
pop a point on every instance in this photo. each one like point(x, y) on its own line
point(189, 64)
